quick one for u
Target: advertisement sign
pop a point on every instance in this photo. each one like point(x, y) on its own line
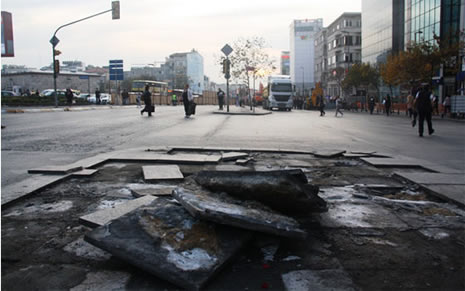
point(7, 35)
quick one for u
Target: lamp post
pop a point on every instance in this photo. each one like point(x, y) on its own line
point(303, 80)
point(54, 40)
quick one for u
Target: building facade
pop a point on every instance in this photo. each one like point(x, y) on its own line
point(302, 53)
point(285, 63)
point(343, 43)
point(321, 57)
point(185, 68)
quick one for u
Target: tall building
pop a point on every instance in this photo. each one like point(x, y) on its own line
point(302, 53)
point(185, 68)
point(285, 63)
point(337, 46)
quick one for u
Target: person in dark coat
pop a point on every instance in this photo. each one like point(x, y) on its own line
point(371, 104)
point(186, 100)
point(69, 96)
point(424, 109)
point(387, 104)
point(321, 104)
point(220, 95)
point(147, 96)
point(97, 96)
point(125, 96)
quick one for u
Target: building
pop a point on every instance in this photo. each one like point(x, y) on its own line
point(185, 68)
point(42, 80)
point(302, 53)
point(392, 26)
point(285, 63)
point(321, 57)
point(145, 72)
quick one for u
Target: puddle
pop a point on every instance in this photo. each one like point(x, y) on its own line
point(115, 165)
point(59, 206)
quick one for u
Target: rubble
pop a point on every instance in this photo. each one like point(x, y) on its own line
point(284, 191)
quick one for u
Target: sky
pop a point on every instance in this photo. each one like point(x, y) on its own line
point(151, 30)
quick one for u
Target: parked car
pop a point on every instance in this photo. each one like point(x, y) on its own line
point(7, 93)
point(105, 98)
point(83, 96)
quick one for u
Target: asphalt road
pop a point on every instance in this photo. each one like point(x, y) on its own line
point(31, 140)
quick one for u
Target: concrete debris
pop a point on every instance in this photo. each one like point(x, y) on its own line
point(226, 210)
point(283, 191)
point(232, 156)
point(165, 172)
point(163, 239)
point(328, 154)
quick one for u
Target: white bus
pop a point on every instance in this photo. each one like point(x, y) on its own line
point(279, 93)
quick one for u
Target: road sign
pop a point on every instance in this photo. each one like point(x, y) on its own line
point(116, 70)
point(54, 41)
point(227, 50)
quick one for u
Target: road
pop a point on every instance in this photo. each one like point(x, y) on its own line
point(31, 140)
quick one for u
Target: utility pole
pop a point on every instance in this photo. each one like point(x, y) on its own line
point(54, 41)
point(227, 50)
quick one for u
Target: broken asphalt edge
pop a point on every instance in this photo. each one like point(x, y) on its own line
point(21, 191)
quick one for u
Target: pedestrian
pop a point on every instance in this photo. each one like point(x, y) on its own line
point(435, 103)
point(424, 109)
point(174, 99)
point(125, 96)
point(187, 98)
point(220, 95)
point(338, 106)
point(148, 102)
point(410, 101)
point(371, 104)
point(138, 98)
point(387, 104)
point(69, 96)
point(97, 96)
point(446, 106)
point(321, 104)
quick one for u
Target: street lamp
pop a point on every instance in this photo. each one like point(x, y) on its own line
point(54, 41)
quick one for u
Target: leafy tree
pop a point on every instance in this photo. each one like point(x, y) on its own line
point(362, 76)
point(318, 91)
point(248, 53)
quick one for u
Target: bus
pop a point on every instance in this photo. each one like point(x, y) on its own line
point(155, 87)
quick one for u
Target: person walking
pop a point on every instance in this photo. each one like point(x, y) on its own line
point(147, 96)
point(371, 104)
point(424, 109)
point(321, 103)
point(338, 106)
point(220, 95)
point(97, 96)
point(435, 104)
point(187, 98)
point(446, 105)
point(410, 101)
point(387, 104)
point(69, 96)
point(125, 96)
point(174, 99)
point(138, 98)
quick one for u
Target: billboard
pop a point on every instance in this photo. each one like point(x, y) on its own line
point(7, 35)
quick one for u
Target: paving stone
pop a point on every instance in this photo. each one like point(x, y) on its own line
point(13, 192)
point(163, 239)
point(243, 162)
point(321, 280)
point(165, 158)
point(226, 210)
point(295, 163)
point(106, 215)
point(231, 156)
point(85, 172)
point(328, 154)
point(453, 193)
point(165, 172)
point(58, 170)
point(139, 190)
point(433, 178)
point(392, 162)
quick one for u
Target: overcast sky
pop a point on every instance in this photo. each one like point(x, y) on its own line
point(150, 30)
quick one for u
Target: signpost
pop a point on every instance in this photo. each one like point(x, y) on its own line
point(227, 50)
point(116, 74)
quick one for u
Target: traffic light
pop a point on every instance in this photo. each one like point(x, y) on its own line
point(115, 10)
point(57, 52)
point(226, 68)
point(56, 67)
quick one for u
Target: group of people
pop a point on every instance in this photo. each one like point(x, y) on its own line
point(187, 99)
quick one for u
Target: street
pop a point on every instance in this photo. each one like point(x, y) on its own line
point(31, 140)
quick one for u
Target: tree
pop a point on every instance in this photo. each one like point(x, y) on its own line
point(248, 54)
point(362, 76)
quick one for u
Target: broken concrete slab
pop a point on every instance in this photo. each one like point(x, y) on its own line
point(452, 193)
point(232, 168)
point(232, 156)
point(283, 191)
point(433, 178)
point(106, 215)
point(393, 162)
point(17, 191)
point(84, 173)
point(55, 170)
point(322, 280)
point(295, 163)
point(163, 239)
point(164, 172)
point(328, 154)
point(139, 190)
point(243, 162)
point(166, 158)
point(226, 210)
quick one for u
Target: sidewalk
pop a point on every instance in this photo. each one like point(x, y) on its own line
point(6, 109)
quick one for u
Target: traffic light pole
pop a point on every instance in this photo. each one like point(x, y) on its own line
point(55, 41)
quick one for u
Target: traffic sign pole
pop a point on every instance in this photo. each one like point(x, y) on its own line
point(227, 50)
